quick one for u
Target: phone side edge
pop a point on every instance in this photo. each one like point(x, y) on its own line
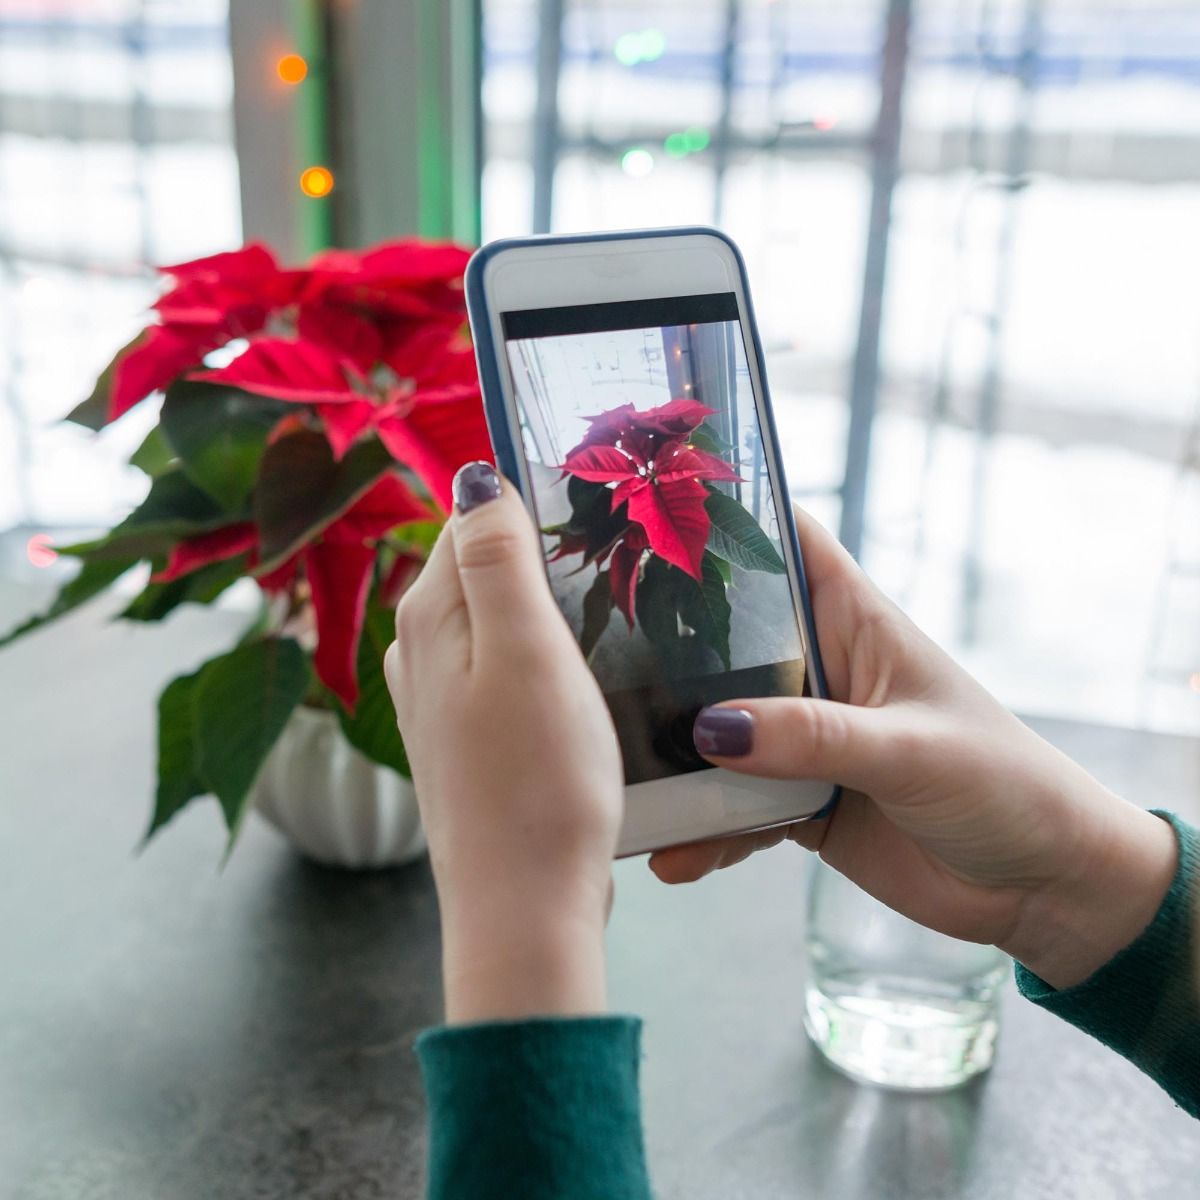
point(821, 687)
point(487, 363)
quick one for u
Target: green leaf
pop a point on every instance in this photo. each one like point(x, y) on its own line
point(94, 577)
point(174, 509)
point(706, 609)
point(301, 489)
point(240, 705)
point(721, 567)
point(372, 728)
point(705, 437)
point(738, 538)
point(202, 586)
point(154, 456)
point(179, 779)
point(92, 413)
point(219, 434)
point(597, 610)
point(416, 536)
point(669, 603)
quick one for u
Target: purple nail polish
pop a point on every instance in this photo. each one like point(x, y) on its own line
point(723, 732)
point(476, 483)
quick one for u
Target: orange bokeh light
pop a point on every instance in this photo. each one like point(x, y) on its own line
point(316, 181)
point(292, 68)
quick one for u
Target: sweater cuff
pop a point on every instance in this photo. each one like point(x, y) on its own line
point(547, 1107)
point(1144, 1003)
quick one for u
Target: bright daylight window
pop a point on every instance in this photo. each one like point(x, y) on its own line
point(116, 155)
point(1033, 497)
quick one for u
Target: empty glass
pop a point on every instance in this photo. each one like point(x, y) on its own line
point(888, 1001)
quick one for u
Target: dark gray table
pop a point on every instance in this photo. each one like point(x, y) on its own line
point(171, 1031)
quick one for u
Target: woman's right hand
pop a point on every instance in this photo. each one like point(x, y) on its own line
point(956, 814)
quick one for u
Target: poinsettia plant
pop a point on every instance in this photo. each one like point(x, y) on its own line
point(311, 423)
point(648, 511)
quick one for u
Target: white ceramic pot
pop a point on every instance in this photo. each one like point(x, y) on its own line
point(333, 803)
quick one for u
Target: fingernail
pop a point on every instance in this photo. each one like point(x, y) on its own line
point(725, 732)
point(476, 483)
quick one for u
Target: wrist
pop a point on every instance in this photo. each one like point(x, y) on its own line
point(496, 968)
point(1112, 890)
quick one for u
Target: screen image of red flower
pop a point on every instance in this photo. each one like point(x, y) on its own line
point(649, 512)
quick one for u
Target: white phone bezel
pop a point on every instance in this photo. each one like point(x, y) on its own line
point(558, 272)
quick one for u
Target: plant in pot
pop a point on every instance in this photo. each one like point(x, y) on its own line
point(311, 423)
point(653, 510)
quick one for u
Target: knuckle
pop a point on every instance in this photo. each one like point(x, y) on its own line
point(409, 621)
point(489, 548)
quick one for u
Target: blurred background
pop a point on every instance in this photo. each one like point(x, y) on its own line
point(972, 229)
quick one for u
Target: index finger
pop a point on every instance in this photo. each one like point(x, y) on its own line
point(502, 571)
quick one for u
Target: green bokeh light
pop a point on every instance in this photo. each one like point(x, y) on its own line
point(696, 138)
point(675, 144)
point(628, 50)
point(639, 46)
point(653, 44)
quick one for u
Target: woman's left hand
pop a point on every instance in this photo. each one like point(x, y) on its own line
point(516, 765)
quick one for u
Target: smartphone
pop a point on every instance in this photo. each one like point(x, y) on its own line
point(626, 397)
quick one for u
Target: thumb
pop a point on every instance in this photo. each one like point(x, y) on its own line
point(499, 558)
point(784, 738)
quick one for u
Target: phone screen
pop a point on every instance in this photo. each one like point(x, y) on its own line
point(657, 512)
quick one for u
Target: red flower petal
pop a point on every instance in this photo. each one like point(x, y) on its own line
point(601, 464)
point(569, 543)
point(430, 355)
point(207, 548)
point(623, 577)
point(208, 302)
point(387, 503)
point(685, 462)
point(280, 579)
point(410, 261)
point(625, 489)
point(436, 435)
point(676, 416)
point(343, 423)
point(287, 370)
point(675, 520)
point(162, 354)
point(343, 331)
point(339, 577)
point(673, 419)
point(251, 262)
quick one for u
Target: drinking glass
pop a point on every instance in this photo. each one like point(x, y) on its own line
point(890, 1002)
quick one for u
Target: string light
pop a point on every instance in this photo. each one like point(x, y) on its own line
point(292, 68)
point(316, 182)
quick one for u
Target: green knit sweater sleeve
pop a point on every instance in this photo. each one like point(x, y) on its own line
point(542, 1109)
point(1145, 1002)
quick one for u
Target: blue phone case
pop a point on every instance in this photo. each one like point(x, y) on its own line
point(487, 355)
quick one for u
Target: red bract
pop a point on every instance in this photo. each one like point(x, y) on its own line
point(647, 456)
point(338, 567)
point(623, 571)
point(672, 419)
point(289, 370)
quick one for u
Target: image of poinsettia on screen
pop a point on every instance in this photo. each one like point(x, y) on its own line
point(649, 512)
point(311, 423)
